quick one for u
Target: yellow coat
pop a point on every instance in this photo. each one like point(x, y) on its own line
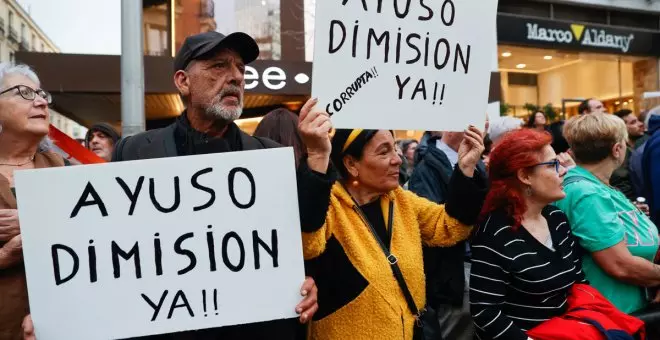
point(377, 309)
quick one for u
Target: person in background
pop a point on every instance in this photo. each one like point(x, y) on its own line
point(639, 183)
point(620, 241)
point(446, 268)
point(281, 126)
point(500, 126)
point(651, 168)
point(81, 141)
point(643, 118)
point(360, 230)
point(101, 139)
point(524, 257)
point(209, 73)
point(24, 118)
point(634, 126)
point(591, 105)
point(621, 176)
point(408, 148)
point(537, 121)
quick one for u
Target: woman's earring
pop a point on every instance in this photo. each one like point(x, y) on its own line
point(528, 191)
point(355, 182)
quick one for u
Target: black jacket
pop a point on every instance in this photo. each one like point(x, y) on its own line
point(161, 143)
point(445, 280)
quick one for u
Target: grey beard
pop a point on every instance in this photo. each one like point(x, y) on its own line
point(219, 111)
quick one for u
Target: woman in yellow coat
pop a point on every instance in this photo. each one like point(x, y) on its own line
point(363, 234)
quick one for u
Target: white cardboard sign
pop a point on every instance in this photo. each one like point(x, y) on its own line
point(404, 64)
point(115, 251)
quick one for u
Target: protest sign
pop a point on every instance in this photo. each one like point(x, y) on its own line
point(404, 64)
point(159, 246)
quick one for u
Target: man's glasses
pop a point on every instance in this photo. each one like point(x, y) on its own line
point(29, 93)
point(554, 162)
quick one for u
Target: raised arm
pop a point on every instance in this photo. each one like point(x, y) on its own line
point(315, 179)
point(445, 225)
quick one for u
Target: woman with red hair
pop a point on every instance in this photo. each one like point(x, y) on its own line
point(524, 259)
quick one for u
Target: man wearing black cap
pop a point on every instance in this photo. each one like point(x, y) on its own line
point(209, 74)
point(101, 139)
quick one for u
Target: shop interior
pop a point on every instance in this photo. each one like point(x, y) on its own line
point(556, 80)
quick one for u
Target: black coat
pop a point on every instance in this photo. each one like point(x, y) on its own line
point(160, 143)
point(445, 280)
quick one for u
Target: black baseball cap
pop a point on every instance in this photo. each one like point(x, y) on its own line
point(200, 45)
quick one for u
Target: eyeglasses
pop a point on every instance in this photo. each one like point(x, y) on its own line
point(554, 162)
point(29, 93)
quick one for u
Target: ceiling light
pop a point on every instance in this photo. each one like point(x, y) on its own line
point(548, 57)
point(263, 2)
point(630, 101)
point(625, 103)
point(506, 54)
point(617, 103)
point(521, 66)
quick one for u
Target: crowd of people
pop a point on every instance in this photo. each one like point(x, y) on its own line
point(511, 230)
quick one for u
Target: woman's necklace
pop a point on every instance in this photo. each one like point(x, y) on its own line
point(19, 164)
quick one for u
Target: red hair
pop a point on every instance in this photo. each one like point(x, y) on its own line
point(519, 149)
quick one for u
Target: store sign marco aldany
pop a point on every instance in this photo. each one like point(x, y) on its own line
point(594, 37)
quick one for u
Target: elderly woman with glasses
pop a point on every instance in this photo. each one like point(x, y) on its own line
point(363, 234)
point(524, 257)
point(24, 123)
point(620, 240)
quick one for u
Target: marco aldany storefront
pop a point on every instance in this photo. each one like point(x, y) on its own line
point(575, 54)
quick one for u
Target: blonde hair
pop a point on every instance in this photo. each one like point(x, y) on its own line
point(592, 136)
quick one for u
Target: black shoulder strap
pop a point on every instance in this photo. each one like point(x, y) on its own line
point(391, 258)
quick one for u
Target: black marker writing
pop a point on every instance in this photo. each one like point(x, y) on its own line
point(91, 198)
point(184, 300)
point(351, 91)
point(420, 90)
point(235, 256)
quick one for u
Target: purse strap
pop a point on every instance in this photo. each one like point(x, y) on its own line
point(391, 259)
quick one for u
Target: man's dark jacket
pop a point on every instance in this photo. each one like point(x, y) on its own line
point(161, 143)
point(443, 266)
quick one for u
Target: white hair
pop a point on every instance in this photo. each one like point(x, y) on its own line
point(653, 112)
point(501, 125)
point(8, 68)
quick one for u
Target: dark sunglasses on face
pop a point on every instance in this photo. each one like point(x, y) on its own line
point(29, 93)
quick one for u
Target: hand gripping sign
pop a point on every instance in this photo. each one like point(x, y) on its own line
point(404, 64)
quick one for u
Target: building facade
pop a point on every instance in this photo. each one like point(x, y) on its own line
point(19, 33)
point(557, 53)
